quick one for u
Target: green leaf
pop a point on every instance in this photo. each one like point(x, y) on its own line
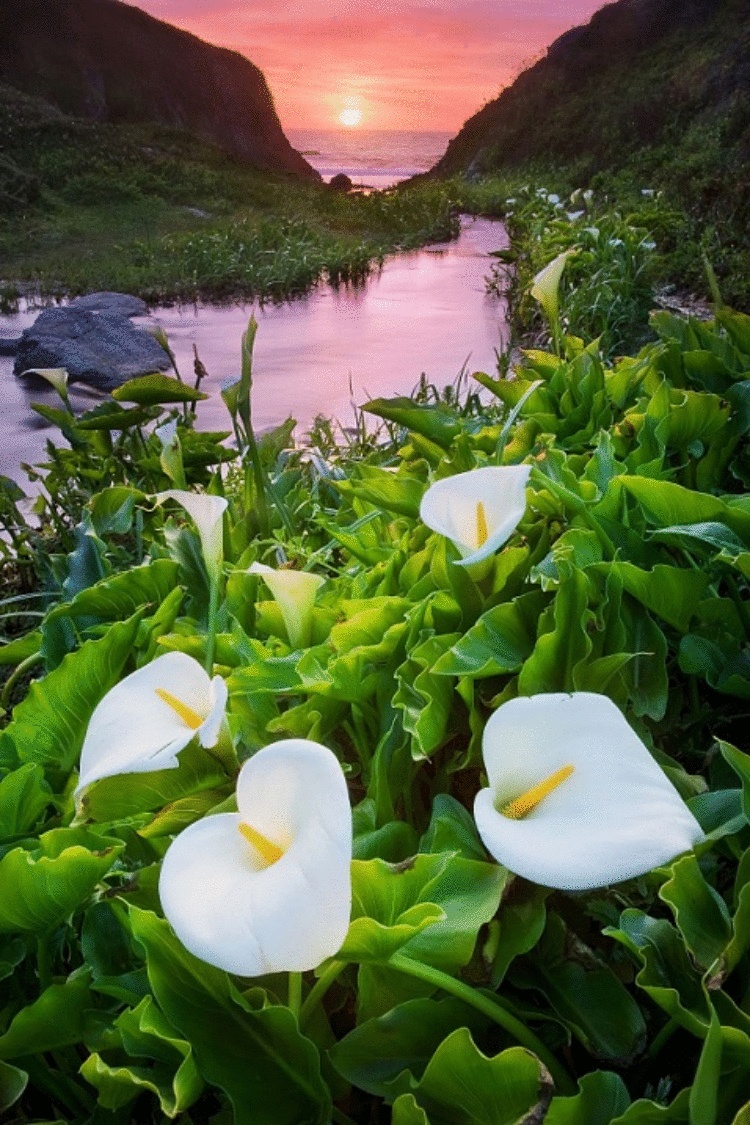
point(438, 423)
point(740, 763)
point(24, 795)
point(49, 725)
point(466, 894)
point(126, 795)
point(376, 1053)
point(699, 911)
point(40, 888)
point(406, 1111)
point(667, 974)
point(499, 643)
point(424, 698)
point(461, 1086)
point(146, 1034)
point(370, 940)
point(594, 1004)
point(704, 1094)
point(602, 1097)
point(122, 595)
point(112, 509)
point(13, 1082)
point(521, 923)
point(153, 390)
point(666, 504)
point(563, 641)
point(452, 829)
point(60, 1017)
point(669, 592)
point(267, 1069)
point(394, 492)
point(645, 1112)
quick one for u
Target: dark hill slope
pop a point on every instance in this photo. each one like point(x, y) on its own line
point(110, 62)
point(662, 86)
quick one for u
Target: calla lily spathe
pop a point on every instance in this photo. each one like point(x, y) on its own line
point(477, 510)
point(144, 721)
point(575, 799)
point(206, 513)
point(267, 889)
point(294, 592)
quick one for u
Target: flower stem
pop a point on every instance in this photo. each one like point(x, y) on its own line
point(319, 989)
point(213, 609)
point(295, 994)
point(489, 1008)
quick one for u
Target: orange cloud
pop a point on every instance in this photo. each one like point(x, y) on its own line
point(409, 64)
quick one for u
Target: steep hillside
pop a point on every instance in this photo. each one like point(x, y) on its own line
point(650, 94)
point(642, 74)
point(112, 63)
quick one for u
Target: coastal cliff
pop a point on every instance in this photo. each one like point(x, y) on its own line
point(109, 62)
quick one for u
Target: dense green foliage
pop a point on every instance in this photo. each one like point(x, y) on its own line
point(156, 212)
point(628, 575)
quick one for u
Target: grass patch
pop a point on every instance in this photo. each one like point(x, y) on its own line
point(155, 212)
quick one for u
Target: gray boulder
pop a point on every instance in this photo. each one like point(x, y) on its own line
point(121, 304)
point(101, 349)
point(9, 345)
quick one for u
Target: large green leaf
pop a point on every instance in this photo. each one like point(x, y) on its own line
point(499, 643)
point(49, 725)
point(461, 1086)
point(24, 795)
point(602, 1097)
point(124, 593)
point(592, 1002)
point(173, 1076)
point(438, 423)
point(466, 893)
point(267, 1069)
point(700, 912)
point(13, 1082)
point(61, 1016)
point(42, 887)
point(152, 390)
point(376, 1053)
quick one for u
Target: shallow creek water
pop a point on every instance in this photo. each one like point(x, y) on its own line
point(424, 311)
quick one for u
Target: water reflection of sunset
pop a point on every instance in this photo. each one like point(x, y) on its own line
point(422, 64)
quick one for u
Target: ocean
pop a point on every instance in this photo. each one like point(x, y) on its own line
point(376, 158)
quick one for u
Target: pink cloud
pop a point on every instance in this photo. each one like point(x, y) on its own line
point(422, 64)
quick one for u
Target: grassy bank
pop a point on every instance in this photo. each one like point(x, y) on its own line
point(155, 212)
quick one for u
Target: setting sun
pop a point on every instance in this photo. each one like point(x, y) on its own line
point(350, 117)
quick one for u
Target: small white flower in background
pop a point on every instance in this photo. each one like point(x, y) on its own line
point(294, 592)
point(477, 510)
point(206, 513)
point(574, 216)
point(546, 285)
point(575, 800)
point(267, 889)
point(648, 192)
point(144, 721)
point(588, 195)
point(553, 198)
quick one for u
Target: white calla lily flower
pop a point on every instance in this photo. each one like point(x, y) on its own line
point(575, 799)
point(478, 510)
point(207, 514)
point(144, 721)
point(294, 592)
point(57, 377)
point(546, 286)
point(267, 889)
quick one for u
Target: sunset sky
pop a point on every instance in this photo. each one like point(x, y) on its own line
point(404, 64)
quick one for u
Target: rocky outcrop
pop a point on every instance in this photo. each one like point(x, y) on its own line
point(102, 349)
point(117, 304)
point(111, 62)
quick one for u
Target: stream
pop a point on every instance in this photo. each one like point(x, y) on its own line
point(425, 311)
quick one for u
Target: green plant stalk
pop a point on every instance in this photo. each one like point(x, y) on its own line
point(23, 667)
point(319, 989)
point(259, 478)
point(488, 1008)
point(295, 994)
point(213, 611)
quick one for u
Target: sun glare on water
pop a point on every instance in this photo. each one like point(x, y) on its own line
point(350, 117)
